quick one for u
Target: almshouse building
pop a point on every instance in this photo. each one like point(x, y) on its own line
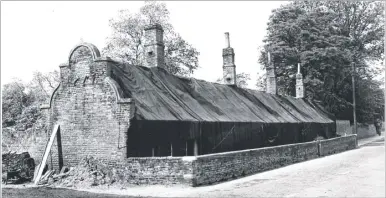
point(113, 111)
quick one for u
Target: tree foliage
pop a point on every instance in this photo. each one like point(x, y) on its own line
point(21, 115)
point(241, 79)
point(127, 39)
point(326, 37)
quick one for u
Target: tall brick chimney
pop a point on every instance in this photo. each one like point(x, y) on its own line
point(299, 84)
point(271, 76)
point(229, 67)
point(154, 46)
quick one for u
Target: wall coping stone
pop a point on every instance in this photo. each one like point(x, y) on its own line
point(257, 149)
point(331, 139)
point(63, 65)
point(154, 158)
point(189, 158)
point(102, 59)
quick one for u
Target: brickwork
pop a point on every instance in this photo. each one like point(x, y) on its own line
point(299, 86)
point(337, 145)
point(343, 127)
point(220, 167)
point(93, 118)
point(271, 80)
point(213, 168)
point(365, 131)
point(155, 170)
point(229, 67)
point(154, 46)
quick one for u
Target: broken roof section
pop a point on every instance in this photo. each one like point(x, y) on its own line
point(159, 95)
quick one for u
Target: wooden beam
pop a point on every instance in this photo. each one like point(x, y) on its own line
point(171, 149)
point(195, 148)
point(45, 156)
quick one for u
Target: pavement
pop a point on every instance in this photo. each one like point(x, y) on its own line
point(365, 141)
point(355, 173)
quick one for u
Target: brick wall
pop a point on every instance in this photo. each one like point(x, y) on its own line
point(213, 168)
point(343, 127)
point(365, 131)
point(336, 145)
point(93, 118)
point(155, 170)
point(224, 166)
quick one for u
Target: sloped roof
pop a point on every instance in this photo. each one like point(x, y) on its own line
point(159, 95)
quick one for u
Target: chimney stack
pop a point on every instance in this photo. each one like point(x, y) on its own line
point(227, 42)
point(271, 76)
point(229, 67)
point(299, 84)
point(154, 46)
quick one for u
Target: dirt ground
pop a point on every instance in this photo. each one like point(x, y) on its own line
point(46, 192)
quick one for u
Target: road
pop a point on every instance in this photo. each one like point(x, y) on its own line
point(355, 173)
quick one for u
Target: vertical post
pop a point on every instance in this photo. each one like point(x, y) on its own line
point(354, 100)
point(152, 152)
point(195, 148)
point(186, 148)
point(171, 149)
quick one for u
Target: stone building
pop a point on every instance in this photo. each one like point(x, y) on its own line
point(113, 111)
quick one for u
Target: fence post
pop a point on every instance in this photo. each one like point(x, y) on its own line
point(319, 148)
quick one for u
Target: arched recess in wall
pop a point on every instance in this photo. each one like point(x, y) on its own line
point(95, 54)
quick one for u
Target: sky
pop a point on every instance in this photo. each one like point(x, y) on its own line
point(38, 36)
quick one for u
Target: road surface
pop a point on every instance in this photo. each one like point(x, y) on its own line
point(355, 173)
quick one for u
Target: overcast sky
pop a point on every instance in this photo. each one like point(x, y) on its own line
point(38, 36)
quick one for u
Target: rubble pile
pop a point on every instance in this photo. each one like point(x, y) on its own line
point(89, 172)
point(17, 167)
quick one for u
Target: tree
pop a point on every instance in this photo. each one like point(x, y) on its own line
point(261, 82)
point(14, 100)
point(43, 84)
point(127, 39)
point(326, 37)
point(22, 119)
point(241, 80)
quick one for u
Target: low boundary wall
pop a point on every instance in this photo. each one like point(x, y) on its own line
point(214, 168)
point(344, 128)
point(155, 170)
point(224, 166)
point(336, 145)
